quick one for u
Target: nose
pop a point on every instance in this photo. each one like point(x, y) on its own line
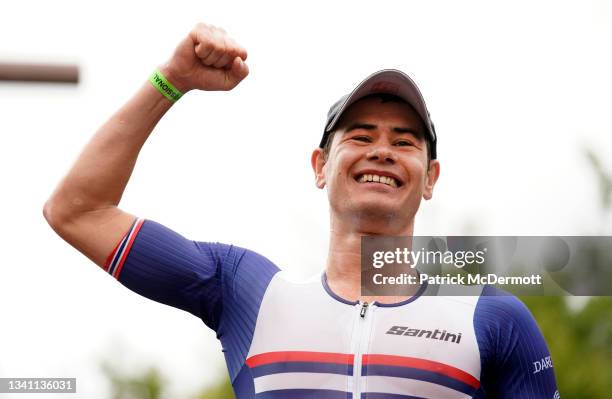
point(382, 154)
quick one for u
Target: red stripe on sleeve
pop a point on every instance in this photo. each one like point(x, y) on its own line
point(128, 248)
point(112, 255)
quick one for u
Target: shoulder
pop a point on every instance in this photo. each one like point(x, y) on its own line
point(496, 306)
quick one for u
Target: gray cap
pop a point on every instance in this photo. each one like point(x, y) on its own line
point(388, 81)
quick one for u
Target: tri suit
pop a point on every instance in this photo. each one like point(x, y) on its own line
point(290, 339)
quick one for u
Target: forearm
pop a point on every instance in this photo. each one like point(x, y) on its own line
point(207, 59)
point(101, 172)
point(83, 209)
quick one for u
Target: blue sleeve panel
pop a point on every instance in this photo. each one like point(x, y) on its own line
point(515, 360)
point(221, 284)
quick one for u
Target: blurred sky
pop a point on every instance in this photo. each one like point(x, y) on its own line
point(516, 90)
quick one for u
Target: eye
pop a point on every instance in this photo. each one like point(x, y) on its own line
point(403, 143)
point(365, 139)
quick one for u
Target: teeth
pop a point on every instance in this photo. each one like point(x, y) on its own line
point(378, 179)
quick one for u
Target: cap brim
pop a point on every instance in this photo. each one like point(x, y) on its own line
point(390, 81)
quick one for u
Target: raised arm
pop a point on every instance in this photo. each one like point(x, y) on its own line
point(83, 209)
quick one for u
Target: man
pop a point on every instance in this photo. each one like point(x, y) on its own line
point(319, 338)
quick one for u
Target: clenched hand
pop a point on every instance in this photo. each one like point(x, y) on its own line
point(207, 59)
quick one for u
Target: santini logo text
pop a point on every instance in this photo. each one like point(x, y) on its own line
point(441, 335)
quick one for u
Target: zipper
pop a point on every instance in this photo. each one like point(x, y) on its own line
point(364, 309)
point(363, 326)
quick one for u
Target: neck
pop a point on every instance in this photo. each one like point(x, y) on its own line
point(343, 269)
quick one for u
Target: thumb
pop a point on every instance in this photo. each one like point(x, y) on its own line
point(239, 70)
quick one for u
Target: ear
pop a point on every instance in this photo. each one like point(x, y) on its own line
point(318, 161)
point(432, 177)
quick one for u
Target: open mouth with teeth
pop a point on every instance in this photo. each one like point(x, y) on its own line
point(389, 181)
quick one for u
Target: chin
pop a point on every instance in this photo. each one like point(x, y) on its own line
point(380, 216)
point(378, 219)
point(376, 205)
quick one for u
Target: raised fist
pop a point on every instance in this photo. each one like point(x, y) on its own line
point(207, 59)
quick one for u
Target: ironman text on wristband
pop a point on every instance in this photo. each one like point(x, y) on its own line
point(160, 82)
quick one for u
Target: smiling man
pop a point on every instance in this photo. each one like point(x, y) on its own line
point(376, 158)
point(318, 338)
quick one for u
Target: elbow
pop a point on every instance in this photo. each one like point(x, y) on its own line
point(48, 213)
point(53, 215)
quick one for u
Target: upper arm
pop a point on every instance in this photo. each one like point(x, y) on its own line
point(515, 359)
point(160, 264)
point(205, 279)
point(145, 256)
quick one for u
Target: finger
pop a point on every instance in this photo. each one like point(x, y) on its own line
point(225, 79)
point(237, 49)
point(228, 54)
point(214, 56)
point(233, 50)
point(217, 39)
point(204, 49)
point(207, 43)
point(200, 36)
point(241, 52)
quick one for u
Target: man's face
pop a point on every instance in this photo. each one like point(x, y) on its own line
point(376, 171)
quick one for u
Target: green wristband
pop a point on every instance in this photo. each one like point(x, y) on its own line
point(160, 82)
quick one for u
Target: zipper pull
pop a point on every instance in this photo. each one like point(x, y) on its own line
point(364, 308)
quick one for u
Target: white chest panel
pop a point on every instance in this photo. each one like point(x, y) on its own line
point(306, 339)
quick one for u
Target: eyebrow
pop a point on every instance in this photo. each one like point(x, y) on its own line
point(368, 126)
